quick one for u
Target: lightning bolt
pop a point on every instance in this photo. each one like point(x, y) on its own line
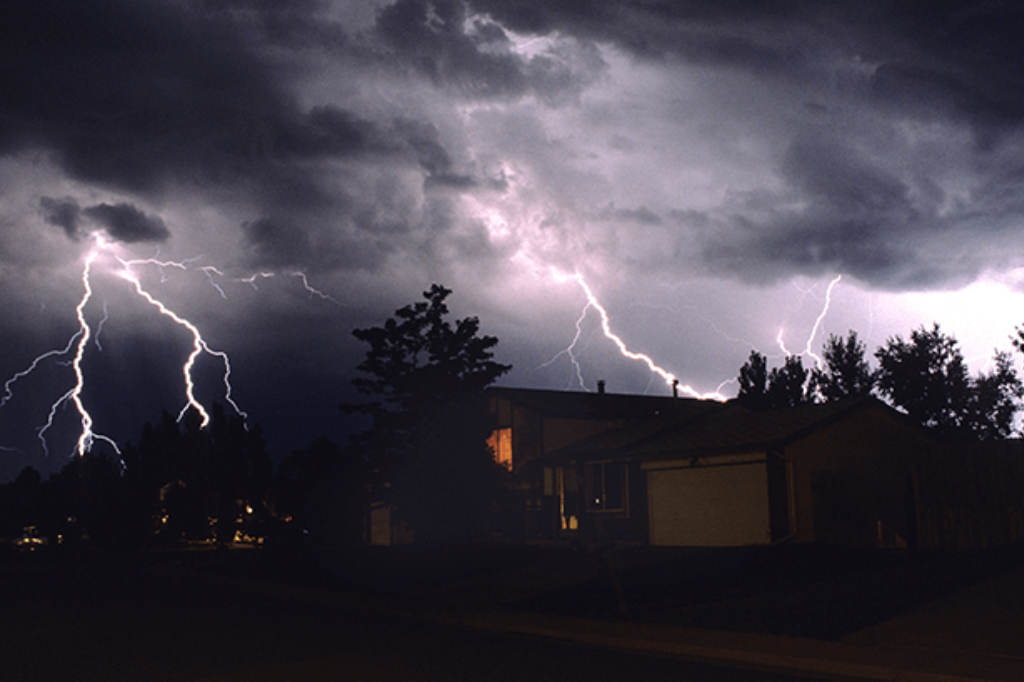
point(570, 351)
point(808, 348)
point(99, 327)
point(79, 342)
point(251, 281)
point(9, 384)
point(606, 328)
point(199, 346)
point(88, 436)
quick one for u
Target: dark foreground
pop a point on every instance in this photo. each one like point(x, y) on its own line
point(179, 617)
point(373, 615)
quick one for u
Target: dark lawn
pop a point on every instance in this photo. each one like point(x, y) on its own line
point(805, 591)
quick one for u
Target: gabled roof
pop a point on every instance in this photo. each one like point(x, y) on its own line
point(583, 405)
point(751, 429)
point(730, 429)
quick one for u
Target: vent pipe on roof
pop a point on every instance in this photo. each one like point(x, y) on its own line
point(675, 388)
point(600, 387)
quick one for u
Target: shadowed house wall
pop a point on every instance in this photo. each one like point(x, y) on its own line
point(839, 473)
point(853, 481)
point(972, 495)
point(693, 472)
point(542, 422)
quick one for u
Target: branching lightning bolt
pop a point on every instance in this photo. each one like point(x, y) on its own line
point(606, 329)
point(809, 347)
point(88, 436)
point(570, 350)
point(99, 327)
point(9, 384)
point(199, 346)
point(80, 340)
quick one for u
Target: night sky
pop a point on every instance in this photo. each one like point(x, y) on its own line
point(708, 169)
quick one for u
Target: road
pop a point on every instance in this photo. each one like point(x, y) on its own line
point(110, 623)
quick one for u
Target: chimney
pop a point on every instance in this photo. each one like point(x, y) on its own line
point(675, 388)
point(600, 386)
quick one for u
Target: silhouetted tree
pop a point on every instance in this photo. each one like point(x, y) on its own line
point(87, 500)
point(24, 501)
point(241, 472)
point(753, 381)
point(784, 386)
point(787, 385)
point(322, 489)
point(845, 373)
point(926, 377)
point(430, 418)
point(181, 476)
point(993, 402)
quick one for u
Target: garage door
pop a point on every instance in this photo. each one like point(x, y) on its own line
point(711, 506)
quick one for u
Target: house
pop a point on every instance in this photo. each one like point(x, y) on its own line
point(531, 424)
point(672, 471)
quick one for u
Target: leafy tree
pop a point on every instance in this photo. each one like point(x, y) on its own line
point(430, 420)
point(784, 386)
point(845, 373)
point(23, 501)
point(321, 489)
point(86, 499)
point(787, 385)
point(994, 400)
point(753, 381)
point(926, 377)
point(186, 475)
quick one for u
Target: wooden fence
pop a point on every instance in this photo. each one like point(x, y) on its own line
point(971, 496)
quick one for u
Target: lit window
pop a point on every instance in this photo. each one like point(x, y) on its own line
point(604, 485)
point(500, 443)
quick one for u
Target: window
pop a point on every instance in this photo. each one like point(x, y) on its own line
point(568, 497)
point(500, 443)
point(604, 485)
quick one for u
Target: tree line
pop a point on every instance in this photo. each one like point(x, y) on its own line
point(425, 453)
point(182, 483)
point(924, 376)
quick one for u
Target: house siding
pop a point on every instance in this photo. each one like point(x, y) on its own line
point(724, 504)
point(853, 481)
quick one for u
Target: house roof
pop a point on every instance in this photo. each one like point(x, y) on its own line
point(730, 429)
point(583, 405)
point(750, 429)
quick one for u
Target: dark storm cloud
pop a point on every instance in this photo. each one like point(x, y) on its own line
point(425, 141)
point(745, 34)
point(473, 55)
point(126, 223)
point(128, 94)
point(224, 98)
point(294, 24)
point(131, 94)
point(831, 175)
point(956, 58)
point(63, 213)
point(866, 193)
point(142, 97)
point(964, 58)
point(851, 217)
